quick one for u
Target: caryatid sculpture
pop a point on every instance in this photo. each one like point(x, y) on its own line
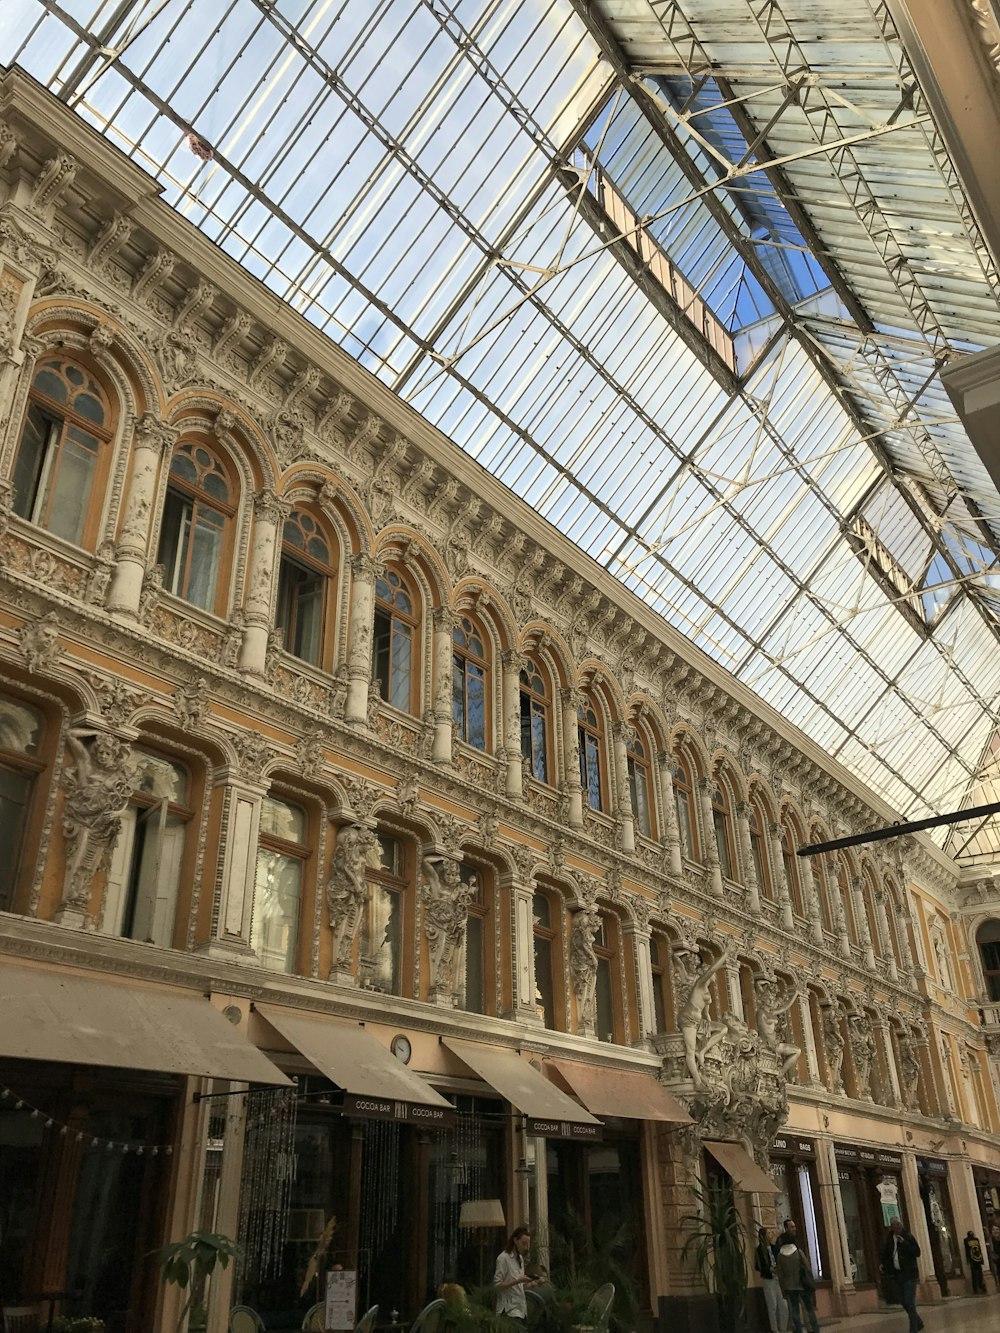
point(347, 887)
point(446, 898)
point(583, 965)
point(770, 1006)
point(97, 788)
point(833, 1044)
point(694, 1018)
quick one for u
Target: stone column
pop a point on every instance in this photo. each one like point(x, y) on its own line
point(746, 856)
point(713, 867)
point(828, 1179)
point(671, 833)
point(227, 1207)
point(809, 1039)
point(884, 1039)
point(364, 572)
point(903, 935)
point(915, 1214)
point(734, 991)
point(269, 513)
point(623, 799)
point(151, 440)
point(570, 701)
point(774, 833)
point(523, 948)
point(810, 893)
point(840, 922)
point(444, 620)
point(861, 917)
point(513, 664)
point(637, 927)
point(236, 868)
point(882, 921)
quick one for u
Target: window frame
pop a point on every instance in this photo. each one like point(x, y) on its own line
point(790, 866)
point(198, 499)
point(722, 814)
point(684, 805)
point(402, 884)
point(759, 838)
point(551, 936)
point(659, 964)
point(640, 766)
point(292, 557)
point(396, 616)
point(298, 852)
point(482, 907)
point(607, 948)
point(534, 703)
point(593, 749)
point(26, 764)
point(463, 661)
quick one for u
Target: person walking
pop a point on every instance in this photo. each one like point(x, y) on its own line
point(899, 1259)
point(510, 1279)
point(764, 1263)
point(974, 1254)
point(995, 1252)
point(795, 1277)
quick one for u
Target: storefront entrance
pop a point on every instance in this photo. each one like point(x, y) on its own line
point(940, 1222)
point(871, 1193)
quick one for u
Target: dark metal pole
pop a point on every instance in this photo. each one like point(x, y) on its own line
point(898, 830)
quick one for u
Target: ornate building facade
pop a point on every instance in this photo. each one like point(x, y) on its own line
point(305, 714)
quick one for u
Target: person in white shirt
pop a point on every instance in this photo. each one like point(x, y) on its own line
point(510, 1279)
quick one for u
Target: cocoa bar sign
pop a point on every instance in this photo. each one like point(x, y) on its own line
point(564, 1129)
point(386, 1108)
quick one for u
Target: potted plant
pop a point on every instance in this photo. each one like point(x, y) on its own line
point(716, 1247)
point(189, 1263)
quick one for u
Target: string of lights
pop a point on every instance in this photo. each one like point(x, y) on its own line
point(12, 1100)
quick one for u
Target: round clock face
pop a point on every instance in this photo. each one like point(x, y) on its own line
point(401, 1048)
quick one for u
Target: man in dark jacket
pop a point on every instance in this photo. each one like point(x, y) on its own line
point(899, 1259)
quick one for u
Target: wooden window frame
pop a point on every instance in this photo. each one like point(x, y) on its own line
point(411, 620)
point(292, 556)
point(196, 497)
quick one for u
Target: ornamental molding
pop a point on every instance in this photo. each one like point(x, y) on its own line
point(987, 27)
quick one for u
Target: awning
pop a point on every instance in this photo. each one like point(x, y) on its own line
point(378, 1083)
point(520, 1083)
point(745, 1172)
point(85, 1020)
point(621, 1092)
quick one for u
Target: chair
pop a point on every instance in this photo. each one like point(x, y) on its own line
point(20, 1319)
point(313, 1322)
point(429, 1318)
point(244, 1320)
point(598, 1310)
point(367, 1321)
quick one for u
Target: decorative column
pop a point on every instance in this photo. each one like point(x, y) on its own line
point(734, 991)
point(623, 800)
point(151, 439)
point(861, 917)
point(882, 922)
point(570, 700)
point(268, 513)
point(746, 856)
point(636, 927)
point(521, 892)
point(236, 866)
point(828, 1179)
point(811, 895)
point(809, 1039)
point(513, 664)
point(840, 923)
point(774, 833)
point(915, 1205)
point(364, 572)
point(671, 833)
point(713, 866)
point(884, 1038)
point(444, 620)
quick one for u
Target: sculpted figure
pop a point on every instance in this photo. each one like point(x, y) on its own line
point(909, 1068)
point(583, 965)
point(357, 852)
point(770, 1006)
point(446, 910)
point(862, 1052)
point(694, 1017)
point(97, 791)
point(833, 1043)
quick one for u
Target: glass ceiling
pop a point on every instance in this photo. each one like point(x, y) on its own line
point(441, 187)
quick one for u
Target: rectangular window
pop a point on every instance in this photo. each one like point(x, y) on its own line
point(144, 875)
point(639, 794)
point(402, 666)
point(68, 490)
point(544, 998)
point(721, 825)
point(533, 743)
point(382, 926)
point(39, 438)
point(590, 769)
point(684, 823)
point(473, 995)
point(300, 610)
point(605, 1001)
point(190, 549)
point(277, 902)
point(15, 791)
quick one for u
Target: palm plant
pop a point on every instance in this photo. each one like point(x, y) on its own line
point(716, 1248)
point(189, 1263)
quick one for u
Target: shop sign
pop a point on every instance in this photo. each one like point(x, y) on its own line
point(881, 1157)
point(565, 1129)
point(386, 1108)
point(795, 1144)
point(929, 1167)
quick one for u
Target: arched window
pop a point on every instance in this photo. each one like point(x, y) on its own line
point(659, 957)
point(546, 921)
point(469, 684)
point(536, 708)
point(790, 840)
point(281, 858)
point(607, 1017)
point(195, 537)
point(476, 970)
point(723, 824)
point(395, 665)
point(382, 925)
point(63, 452)
point(591, 735)
point(758, 852)
point(144, 877)
point(684, 802)
point(305, 586)
point(640, 786)
point(821, 878)
point(21, 728)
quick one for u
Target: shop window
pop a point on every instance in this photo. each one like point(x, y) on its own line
point(640, 786)
point(394, 651)
point(475, 971)
point(281, 858)
point(21, 729)
point(722, 822)
point(659, 953)
point(196, 532)
point(145, 871)
point(469, 684)
point(591, 737)
point(382, 925)
point(546, 943)
point(607, 1017)
point(305, 587)
point(790, 866)
point(536, 706)
point(758, 852)
point(684, 802)
point(988, 940)
point(63, 452)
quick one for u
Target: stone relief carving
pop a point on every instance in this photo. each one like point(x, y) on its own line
point(909, 1071)
point(833, 1045)
point(253, 751)
point(771, 1005)
point(694, 1019)
point(583, 965)
point(116, 700)
point(356, 854)
point(149, 597)
point(862, 1053)
point(445, 900)
point(100, 576)
point(191, 703)
point(177, 356)
point(97, 790)
point(39, 642)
